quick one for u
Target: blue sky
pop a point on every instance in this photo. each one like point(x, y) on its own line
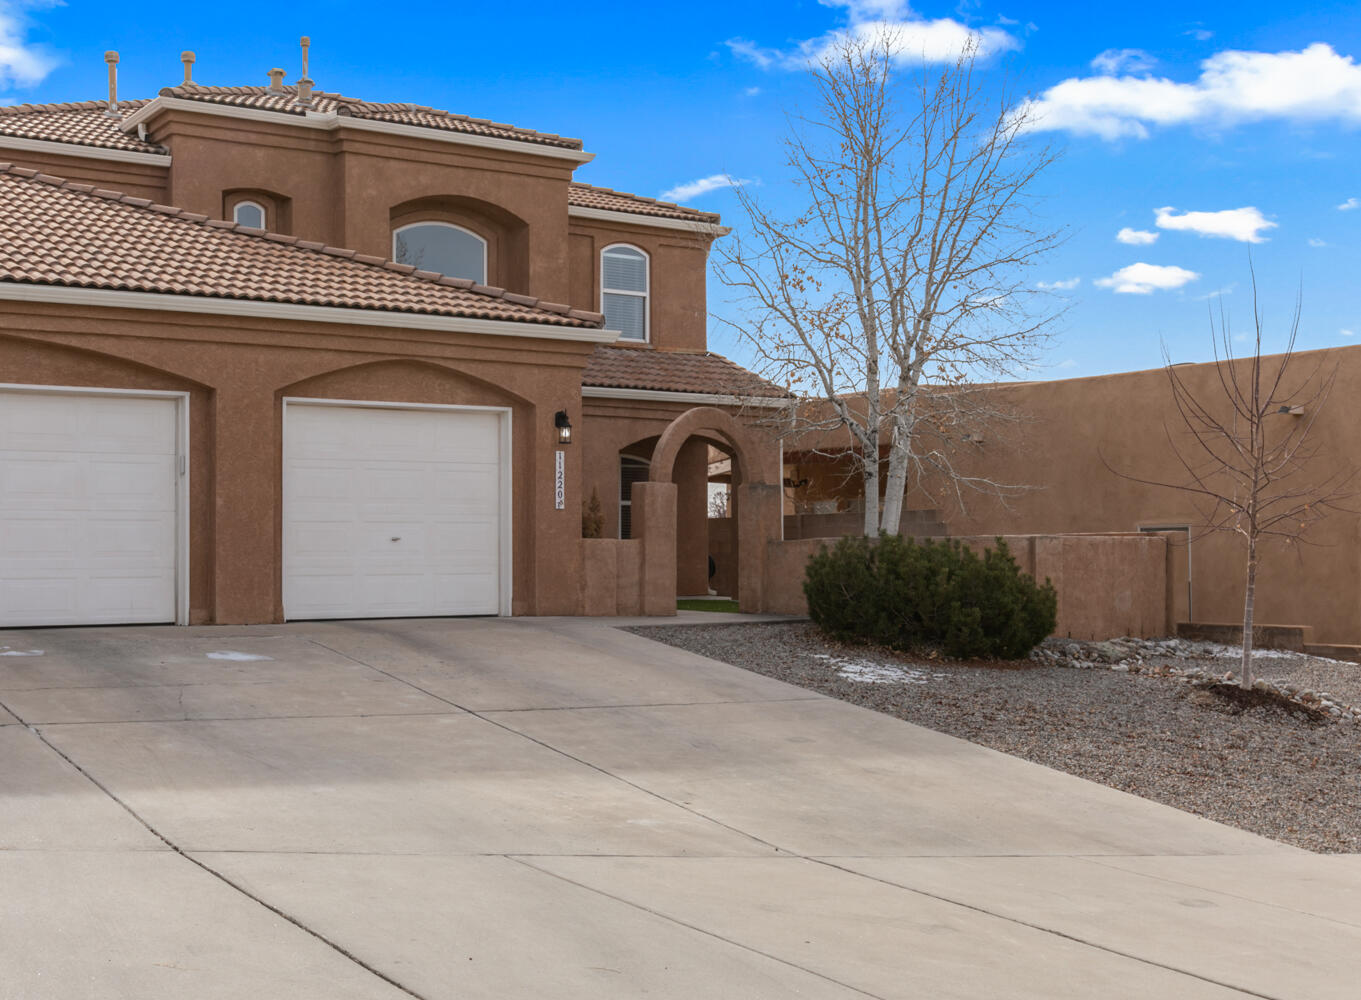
point(1242, 122)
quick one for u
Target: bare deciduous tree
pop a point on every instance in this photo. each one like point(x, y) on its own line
point(900, 282)
point(1246, 451)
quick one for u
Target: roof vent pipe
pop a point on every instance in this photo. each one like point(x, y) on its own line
point(276, 81)
point(111, 58)
point(305, 84)
point(188, 59)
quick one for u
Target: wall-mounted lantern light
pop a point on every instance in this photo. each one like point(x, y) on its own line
point(564, 427)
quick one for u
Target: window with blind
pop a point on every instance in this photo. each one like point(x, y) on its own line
point(624, 291)
point(442, 247)
point(631, 470)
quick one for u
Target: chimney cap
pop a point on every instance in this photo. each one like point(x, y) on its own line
point(187, 58)
point(111, 56)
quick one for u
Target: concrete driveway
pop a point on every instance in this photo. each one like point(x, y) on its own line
point(557, 809)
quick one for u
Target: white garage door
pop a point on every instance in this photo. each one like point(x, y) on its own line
point(88, 499)
point(393, 512)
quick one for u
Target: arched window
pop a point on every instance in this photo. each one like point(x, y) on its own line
point(631, 470)
point(442, 247)
point(249, 213)
point(624, 290)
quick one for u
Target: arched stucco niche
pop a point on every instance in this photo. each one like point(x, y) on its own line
point(756, 507)
point(506, 234)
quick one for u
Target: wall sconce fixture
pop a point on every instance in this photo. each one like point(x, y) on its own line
point(564, 427)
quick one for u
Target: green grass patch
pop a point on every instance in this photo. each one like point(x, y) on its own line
point(707, 604)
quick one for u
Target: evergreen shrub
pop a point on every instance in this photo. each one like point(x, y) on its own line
point(907, 594)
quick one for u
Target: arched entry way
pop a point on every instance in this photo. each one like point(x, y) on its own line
point(756, 505)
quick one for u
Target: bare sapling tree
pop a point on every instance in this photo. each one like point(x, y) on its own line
point(901, 282)
point(1250, 465)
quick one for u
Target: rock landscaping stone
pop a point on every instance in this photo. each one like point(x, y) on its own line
point(1143, 716)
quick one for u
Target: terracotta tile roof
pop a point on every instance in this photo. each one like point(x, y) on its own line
point(586, 196)
point(401, 114)
point(83, 123)
point(674, 371)
point(55, 232)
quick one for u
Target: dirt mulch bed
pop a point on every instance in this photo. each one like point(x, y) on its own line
point(1244, 761)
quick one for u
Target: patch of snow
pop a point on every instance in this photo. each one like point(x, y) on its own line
point(869, 672)
point(231, 654)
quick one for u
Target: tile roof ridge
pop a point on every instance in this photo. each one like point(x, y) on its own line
point(196, 218)
point(380, 106)
point(19, 109)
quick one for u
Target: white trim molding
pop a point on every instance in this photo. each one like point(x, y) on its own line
point(202, 304)
point(77, 149)
point(647, 221)
point(329, 121)
point(692, 398)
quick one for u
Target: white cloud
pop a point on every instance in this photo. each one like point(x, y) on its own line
point(1347, 333)
point(1243, 224)
point(752, 91)
point(1067, 364)
point(1317, 243)
point(1065, 285)
point(1349, 204)
point(1115, 61)
point(1141, 279)
point(1136, 237)
point(1314, 84)
point(21, 64)
point(910, 38)
point(695, 188)
point(1200, 34)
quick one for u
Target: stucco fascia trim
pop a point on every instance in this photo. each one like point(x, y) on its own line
point(689, 398)
point(25, 145)
point(109, 298)
point(330, 122)
point(647, 221)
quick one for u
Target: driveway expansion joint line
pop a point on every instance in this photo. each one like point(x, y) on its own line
point(247, 718)
point(1048, 930)
point(1095, 859)
point(519, 859)
point(563, 753)
point(203, 866)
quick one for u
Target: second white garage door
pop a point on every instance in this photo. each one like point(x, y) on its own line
point(394, 512)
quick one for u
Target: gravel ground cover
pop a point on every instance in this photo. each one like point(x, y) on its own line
point(1108, 712)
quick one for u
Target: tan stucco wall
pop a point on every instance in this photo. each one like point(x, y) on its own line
point(1107, 585)
point(238, 372)
point(1072, 434)
point(348, 188)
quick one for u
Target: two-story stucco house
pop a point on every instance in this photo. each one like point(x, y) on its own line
point(267, 352)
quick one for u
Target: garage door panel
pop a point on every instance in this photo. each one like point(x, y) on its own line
point(359, 477)
point(88, 508)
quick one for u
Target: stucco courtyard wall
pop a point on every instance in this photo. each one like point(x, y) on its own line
point(1076, 442)
point(1108, 585)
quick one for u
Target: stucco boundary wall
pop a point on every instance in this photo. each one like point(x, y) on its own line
point(611, 577)
point(1108, 584)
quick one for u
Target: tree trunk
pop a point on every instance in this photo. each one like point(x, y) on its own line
point(871, 477)
point(1245, 670)
point(899, 446)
